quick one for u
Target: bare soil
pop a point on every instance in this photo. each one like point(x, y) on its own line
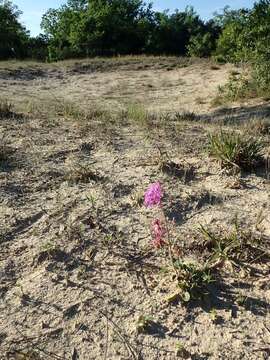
point(77, 268)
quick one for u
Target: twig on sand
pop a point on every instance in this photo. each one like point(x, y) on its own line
point(123, 337)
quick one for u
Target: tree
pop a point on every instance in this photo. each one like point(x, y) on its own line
point(13, 35)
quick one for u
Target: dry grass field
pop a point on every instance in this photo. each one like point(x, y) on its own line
point(80, 142)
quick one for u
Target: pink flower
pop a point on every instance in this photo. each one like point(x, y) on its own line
point(153, 195)
point(158, 233)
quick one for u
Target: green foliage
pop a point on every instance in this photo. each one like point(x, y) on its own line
point(13, 35)
point(37, 48)
point(204, 42)
point(101, 27)
point(193, 280)
point(237, 87)
point(246, 38)
point(230, 42)
point(235, 150)
point(122, 27)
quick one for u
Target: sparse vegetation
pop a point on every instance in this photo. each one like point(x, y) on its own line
point(234, 150)
point(239, 246)
point(74, 228)
point(81, 173)
point(138, 114)
point(5, 109)
point(186, 116)
point(193, 280)
point(258, 126)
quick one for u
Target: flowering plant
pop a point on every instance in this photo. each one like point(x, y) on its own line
point(153, 195)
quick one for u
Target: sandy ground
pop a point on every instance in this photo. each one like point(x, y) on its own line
point(77, 268)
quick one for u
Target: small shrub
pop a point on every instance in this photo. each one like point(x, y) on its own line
point(237, 88)
point(235, 150)
point(220, 59)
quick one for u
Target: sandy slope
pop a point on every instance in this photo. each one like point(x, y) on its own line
point(76, 267)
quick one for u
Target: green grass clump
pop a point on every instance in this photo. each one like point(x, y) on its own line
point(235, 150)
point(138, 114)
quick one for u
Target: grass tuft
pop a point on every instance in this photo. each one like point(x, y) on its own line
point(78, 173)
point(186, 116)
point(5, 109)
point(234, 150)
point(259, 126)
point(240, 245)
point(138, 114)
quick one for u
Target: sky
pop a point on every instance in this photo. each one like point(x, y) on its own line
point(34, 9)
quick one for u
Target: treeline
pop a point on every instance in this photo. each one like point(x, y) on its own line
point(117, 27)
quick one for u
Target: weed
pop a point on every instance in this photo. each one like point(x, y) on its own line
point(6, 153)
point(138, 114)
point(79, 173)
point(186, 116)
point(5, 109)
point(235, 150)
point(69, 111)
point(144, 324)
point(193, 280)
point(259, 126)
point(236, 246)
point(181, 351)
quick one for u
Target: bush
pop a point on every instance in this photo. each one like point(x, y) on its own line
point(235, 150)
point(201, 45)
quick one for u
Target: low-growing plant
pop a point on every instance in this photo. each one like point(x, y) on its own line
point(232, 150)
point(238, 87)
point(193, 280)
point(239, 245)
point(80, 173)
point(259, 126)
point(5, 153)
point(138, 114)
point(5, 109)
point(144, 324)
point(186, 116)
